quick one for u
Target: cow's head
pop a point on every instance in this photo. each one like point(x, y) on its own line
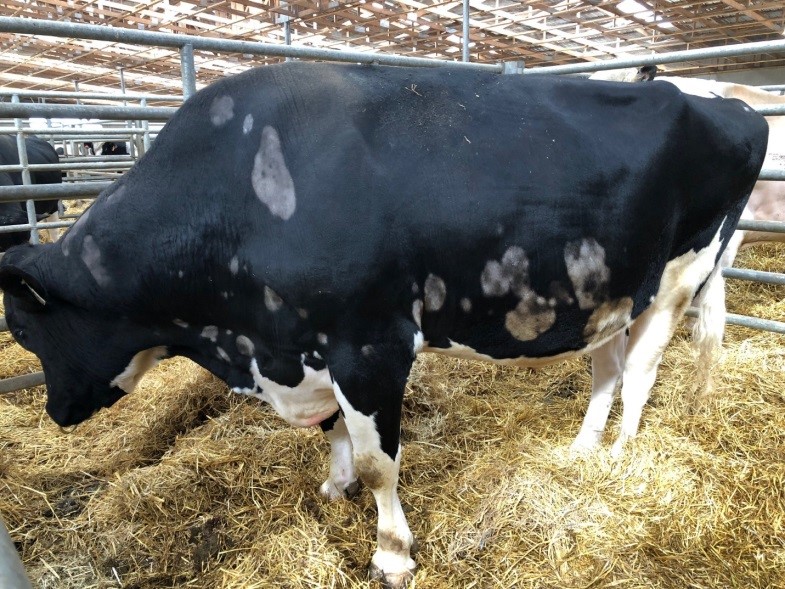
point(85, 353)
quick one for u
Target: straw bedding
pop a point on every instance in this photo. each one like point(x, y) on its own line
point(183, 484)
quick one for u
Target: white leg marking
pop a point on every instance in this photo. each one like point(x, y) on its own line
point(607, 363)
point(342, 474)
point(653, 329)
point(379, 472)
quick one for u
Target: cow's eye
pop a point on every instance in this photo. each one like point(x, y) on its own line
point(19, 334)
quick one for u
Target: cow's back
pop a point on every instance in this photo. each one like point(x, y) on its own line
point(397, 174)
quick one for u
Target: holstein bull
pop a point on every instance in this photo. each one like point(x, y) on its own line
point(306, 229)
point(14, 213)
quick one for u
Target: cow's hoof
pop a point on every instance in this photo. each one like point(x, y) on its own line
point(390, 580)
point(330, 491)
point(618, 446)
point(585, 443)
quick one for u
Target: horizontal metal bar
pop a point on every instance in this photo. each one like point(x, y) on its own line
point(771, 174)
point(27, 227)
point(15, 383)
point(68, 166)
point(767, 226)
point(754, 276)
point(79, 111)
point(772, 87)
point(51, 191)
point(85, 134)
point(770, 109)
point(660, 58)
point(745, 321)
point(88, 95)
point(30, 26)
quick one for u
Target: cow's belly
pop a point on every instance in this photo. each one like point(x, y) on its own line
point(458, 350)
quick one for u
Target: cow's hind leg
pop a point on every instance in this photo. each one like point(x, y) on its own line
point(607, 363)
point(342, 481)
point(369, 381)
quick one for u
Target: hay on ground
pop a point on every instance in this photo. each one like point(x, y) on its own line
point(183, 484)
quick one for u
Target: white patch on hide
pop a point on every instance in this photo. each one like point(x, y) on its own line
point(585, 260)
point(247, 124)
point(270, 177)
point(271, 300)
point(221, 110)
point(305, 405)
point(245, 345)
point(223, 355)
point(210, 332)
point(435, 293)
point(91, 256)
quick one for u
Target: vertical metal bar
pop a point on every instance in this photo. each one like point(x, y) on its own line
point(188, 70)
point(287, 34)
point(465, 30)
point(146, 127)
point(21, 149)
point(76, 89)
point(128, 124)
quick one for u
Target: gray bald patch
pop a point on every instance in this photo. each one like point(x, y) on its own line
point(512, 273)
point(435, 293)
point(367, 350)
point(222, 354)
point(271, 299)
point(210, 332)
point(270, 177)
point(321, 338)
point(245, 345)
point(221, 110)
point(417, 312)
point(247, 124)
point(73, 231)
point(91, 256)
point(234, 266)
point(180, 323)
point(585, 260)
point(303, 313)
point(466, 305)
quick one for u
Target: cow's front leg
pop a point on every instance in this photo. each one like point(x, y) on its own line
point(342, 481)
point(369, 383)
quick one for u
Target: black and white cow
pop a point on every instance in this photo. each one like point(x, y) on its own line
point(305, 230)
point(114, 148)
point(14, 213)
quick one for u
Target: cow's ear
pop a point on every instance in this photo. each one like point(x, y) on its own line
point(646, 73)
point(16, 278)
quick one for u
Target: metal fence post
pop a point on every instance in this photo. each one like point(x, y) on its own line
point(26, 179)
point(188, 70)
point(465, 30)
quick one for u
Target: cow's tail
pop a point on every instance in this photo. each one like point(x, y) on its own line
point(708, 330)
